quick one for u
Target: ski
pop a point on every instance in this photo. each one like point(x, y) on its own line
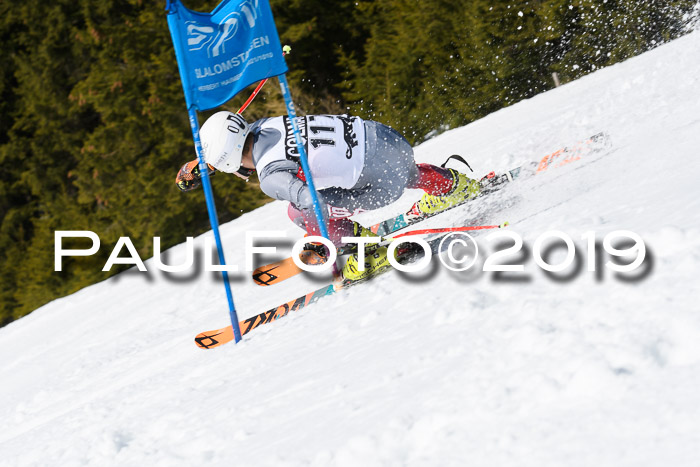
point(407, 219)
point(278, 271)
point(219, 337)
point(557, 159)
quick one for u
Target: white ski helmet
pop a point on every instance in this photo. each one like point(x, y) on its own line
point(223, 136)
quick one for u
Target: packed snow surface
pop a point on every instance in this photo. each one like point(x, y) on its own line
point(434, 368)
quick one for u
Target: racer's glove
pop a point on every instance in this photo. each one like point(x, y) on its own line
point(190, 177)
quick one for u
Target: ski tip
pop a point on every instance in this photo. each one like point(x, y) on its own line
point(504, 225)
point(211, 339)
point(263, 276)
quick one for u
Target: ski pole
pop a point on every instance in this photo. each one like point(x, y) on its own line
point(285, 51)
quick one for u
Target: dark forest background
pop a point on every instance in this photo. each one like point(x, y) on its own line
point(93, 125)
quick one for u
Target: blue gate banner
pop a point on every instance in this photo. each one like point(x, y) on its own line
point(222, 52)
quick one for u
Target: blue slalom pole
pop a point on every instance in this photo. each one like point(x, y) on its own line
point(213, 219)
point(302, 155)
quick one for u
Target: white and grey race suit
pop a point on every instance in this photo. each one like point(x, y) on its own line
point(356, 164)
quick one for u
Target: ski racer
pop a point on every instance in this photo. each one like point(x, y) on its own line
point(357, 165)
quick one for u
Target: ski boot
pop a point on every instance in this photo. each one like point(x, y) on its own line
point(375, 258)
point(317, 253)
point(463, 188)
point(358, 230)
point(376, 261)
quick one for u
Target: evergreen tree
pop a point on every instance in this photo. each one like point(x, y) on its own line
point(440, 63)
point(319, 32)
point(96, 132)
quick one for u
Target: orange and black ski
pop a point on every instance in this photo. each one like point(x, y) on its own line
point(211, 339)
point(281, 270)
point(493, 182)
point(217, 337)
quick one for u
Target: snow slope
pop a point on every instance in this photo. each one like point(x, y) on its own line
point(452, 369)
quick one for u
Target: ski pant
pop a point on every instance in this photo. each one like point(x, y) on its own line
point(388, 170)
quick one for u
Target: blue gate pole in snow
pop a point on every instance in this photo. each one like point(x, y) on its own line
point(320, 217)
point(218, 55)
point(213, 220)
